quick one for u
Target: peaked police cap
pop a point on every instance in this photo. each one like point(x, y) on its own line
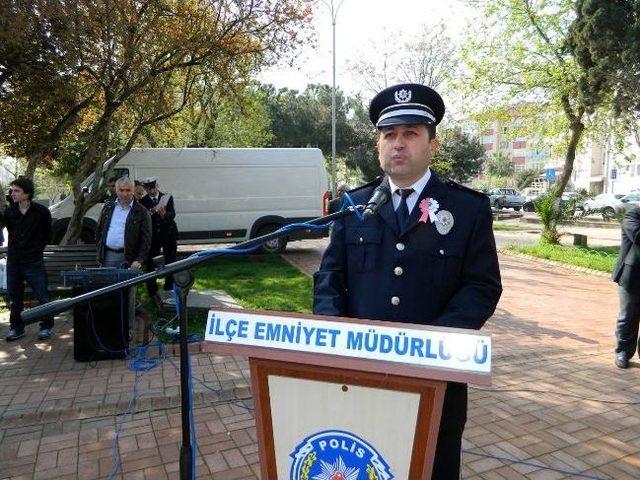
point(406, 104)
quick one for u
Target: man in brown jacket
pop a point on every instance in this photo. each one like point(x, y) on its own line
point(123, 237)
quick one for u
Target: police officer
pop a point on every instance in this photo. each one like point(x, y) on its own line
point(428, 256)
point(165, 231)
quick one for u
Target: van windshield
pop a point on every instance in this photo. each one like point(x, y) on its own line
point(117, 173)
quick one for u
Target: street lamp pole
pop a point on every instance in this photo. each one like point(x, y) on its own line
point(333, 8)
point(333, 102)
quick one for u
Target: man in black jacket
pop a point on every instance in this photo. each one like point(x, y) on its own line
point(123, 236)
point(29, 227)
point(164, 231)
point(428, 256)
point(627, 275)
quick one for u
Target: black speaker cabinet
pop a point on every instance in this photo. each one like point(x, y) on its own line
point(101, 327)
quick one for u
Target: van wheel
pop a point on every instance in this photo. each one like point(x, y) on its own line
point(276, 245)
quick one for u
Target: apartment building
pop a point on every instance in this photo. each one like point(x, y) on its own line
point(525, 152)
point(604, 167)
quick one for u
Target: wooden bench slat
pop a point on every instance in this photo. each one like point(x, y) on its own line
point(60, 258)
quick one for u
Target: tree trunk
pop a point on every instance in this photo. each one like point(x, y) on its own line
point(550, 232)
point(74, 230)
point(32, 163)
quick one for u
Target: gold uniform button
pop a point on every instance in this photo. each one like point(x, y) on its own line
point(395, 300)
point(400, 246)
point(398, 271)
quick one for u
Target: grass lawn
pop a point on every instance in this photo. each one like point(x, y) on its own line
point(263, 282)
point(259, 282)
point(596, 258)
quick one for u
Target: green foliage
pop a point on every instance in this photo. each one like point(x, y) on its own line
point(304, 120)
point(596, 258)
point(526, 177)
point(605, 39)
point(459, 158)
point(215, 120)
point(499, 165)
point(555, 213)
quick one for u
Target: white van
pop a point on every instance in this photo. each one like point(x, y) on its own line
point(223, 195)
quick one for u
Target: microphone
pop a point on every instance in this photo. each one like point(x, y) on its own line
point(380, 196)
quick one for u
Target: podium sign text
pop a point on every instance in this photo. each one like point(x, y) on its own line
point(432, 348)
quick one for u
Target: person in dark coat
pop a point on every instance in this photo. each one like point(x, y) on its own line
point(123, 236)
point(428, 257)
point(165, 231)
point(627, 275)
point(29, 226)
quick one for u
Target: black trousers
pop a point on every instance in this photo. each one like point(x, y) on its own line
point(169, 251)
point(628, 321)
point(446, 465)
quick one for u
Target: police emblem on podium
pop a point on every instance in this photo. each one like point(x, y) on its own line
point(337, 455)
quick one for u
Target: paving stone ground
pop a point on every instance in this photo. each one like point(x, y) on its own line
point(557, 406)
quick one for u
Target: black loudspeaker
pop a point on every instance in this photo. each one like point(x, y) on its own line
point(101, 327)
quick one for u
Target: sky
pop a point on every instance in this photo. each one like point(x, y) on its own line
point(359, 24)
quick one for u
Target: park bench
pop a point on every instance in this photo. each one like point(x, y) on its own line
point(59, 258)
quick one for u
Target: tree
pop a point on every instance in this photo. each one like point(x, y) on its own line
point(214, 120)
point(304, 120)
point(123, 66)
point(605, 38)
point(431, 58)
point(460, 157)
point(523, 56)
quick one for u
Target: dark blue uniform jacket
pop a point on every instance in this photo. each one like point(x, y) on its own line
point(450, 280)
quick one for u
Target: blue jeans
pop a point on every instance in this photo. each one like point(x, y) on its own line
point(36, 276)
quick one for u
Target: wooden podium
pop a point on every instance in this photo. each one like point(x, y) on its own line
point(345, 399)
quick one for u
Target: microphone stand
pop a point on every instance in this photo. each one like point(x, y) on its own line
point(183, 280)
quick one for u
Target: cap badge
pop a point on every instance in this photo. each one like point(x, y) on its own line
point(402, 95)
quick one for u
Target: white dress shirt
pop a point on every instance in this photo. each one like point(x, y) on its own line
point(413, 198)
point(115, 234)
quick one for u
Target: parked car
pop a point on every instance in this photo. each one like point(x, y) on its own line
point(506, 198)
point(628, 201)
point(605, 203)
point(566, 197)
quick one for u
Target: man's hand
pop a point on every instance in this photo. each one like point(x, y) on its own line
point(135, 265)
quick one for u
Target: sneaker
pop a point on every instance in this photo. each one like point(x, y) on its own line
point(45, 333)
point(14, 335)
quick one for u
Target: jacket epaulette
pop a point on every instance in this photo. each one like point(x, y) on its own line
point(374, 183)
point(458, 186)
